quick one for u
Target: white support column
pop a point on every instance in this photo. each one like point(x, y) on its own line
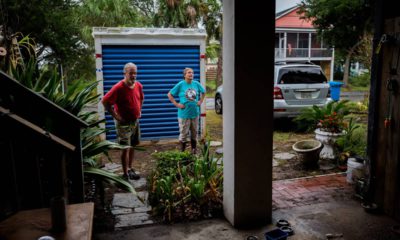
point(248, 113)
point(285, 46)
point(309, 46)
point(332, 64)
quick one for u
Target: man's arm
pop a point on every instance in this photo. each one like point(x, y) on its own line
point(108, 107)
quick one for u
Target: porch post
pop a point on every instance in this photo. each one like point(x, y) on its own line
point(248, 114)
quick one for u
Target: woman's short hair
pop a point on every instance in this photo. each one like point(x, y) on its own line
point(185, 71)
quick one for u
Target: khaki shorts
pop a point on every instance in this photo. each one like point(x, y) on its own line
point(128, 134)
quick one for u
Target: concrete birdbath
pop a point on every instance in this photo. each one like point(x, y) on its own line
point(308, 152)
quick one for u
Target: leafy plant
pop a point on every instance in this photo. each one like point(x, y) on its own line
point(331, 123)
point(330, 117)
point(354, 142)
point(185, 186)
point(359, 107)
point(49, 84)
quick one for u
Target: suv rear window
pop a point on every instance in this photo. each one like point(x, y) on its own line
point(298, 75)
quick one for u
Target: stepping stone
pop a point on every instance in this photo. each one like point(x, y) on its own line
point(275, 163)
point(219, 151)
point(140, 183)
point(126, 200)
point(112, 167)
point(143, 209)
point(134, 219)
point(284, 156)
point(215, 144)
point(119, 211)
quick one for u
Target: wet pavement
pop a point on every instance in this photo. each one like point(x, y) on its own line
point(319, 207)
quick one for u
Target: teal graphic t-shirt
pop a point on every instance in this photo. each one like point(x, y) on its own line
point(189, 95)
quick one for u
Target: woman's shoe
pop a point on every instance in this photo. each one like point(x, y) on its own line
point(133, 175)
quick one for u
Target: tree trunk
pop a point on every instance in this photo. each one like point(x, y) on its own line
point(219, 69)
point(346, 70)
point(347, 64)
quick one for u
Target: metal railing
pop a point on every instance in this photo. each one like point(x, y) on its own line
point(281, 53)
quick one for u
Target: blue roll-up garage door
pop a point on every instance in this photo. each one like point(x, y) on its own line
point(159, 69)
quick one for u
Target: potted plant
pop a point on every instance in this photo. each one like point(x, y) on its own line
point(328, 124)
point(353, 143)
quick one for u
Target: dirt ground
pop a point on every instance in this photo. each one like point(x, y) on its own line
point(284, 137)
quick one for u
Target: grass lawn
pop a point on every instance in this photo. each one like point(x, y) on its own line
point(213, 126)
point(210, 88)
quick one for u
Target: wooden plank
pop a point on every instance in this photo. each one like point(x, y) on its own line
point(37, 129)
point(32, 224)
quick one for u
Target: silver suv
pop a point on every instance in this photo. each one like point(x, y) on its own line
point(297, 85)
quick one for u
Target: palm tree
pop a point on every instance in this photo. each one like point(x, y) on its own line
point(188, 14)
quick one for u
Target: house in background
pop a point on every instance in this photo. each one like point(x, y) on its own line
point(296, 40)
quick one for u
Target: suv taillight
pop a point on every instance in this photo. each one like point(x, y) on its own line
point(278, 93)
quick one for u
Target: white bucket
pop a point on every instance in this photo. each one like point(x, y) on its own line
point(354, 170)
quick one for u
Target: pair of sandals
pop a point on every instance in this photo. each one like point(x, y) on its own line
point(284, 225)
point(131, 175)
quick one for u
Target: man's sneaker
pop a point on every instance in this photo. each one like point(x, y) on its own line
point(133, 175)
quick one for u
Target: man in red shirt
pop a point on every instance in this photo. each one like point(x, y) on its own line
point(124, 102)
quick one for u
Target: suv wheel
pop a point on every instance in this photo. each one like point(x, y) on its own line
point(218, 104)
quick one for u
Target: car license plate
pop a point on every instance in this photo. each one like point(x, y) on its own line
point(305, 95)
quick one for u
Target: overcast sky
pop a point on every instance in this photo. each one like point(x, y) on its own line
point(285, 4)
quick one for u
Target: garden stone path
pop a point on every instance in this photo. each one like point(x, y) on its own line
point(127, 208)
point(284, 156)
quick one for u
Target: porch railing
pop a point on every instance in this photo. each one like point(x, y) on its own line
point(281, 53)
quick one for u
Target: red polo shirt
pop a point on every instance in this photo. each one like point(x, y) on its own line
point(127, 102)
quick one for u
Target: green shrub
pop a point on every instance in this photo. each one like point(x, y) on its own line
point(362, 80)
point(185, 186)
point(358, 107)
point(354, 142)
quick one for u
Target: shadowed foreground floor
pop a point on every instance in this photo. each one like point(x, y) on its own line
point(313, 206)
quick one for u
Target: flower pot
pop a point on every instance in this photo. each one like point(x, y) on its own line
point(329, 152)
point(308, 152)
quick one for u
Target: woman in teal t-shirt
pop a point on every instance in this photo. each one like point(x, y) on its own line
point(191, 96)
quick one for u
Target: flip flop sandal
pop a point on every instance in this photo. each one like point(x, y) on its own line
point(287, 229)
point(370, 207)
point(282, 223)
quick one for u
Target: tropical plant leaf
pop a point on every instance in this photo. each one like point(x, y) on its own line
point(111, 177)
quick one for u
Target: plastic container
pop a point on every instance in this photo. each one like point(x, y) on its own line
point(354, 170)
point(335, 90)
point(58, 214)
point(276, 234)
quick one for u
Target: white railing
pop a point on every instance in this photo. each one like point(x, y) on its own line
point(281, 53)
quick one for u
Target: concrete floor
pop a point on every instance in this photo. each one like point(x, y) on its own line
point(314, 206)
point(309, 222)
